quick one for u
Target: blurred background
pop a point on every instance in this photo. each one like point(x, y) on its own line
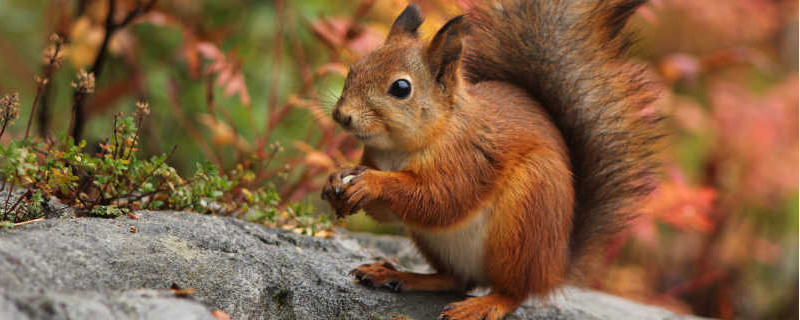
point(250, 83)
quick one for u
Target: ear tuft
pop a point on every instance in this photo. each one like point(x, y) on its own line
point(407, 22)
point(444, 52)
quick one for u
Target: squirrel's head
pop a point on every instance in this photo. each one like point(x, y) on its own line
point(400, 95)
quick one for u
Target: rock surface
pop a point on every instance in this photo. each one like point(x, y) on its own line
point(91, 268)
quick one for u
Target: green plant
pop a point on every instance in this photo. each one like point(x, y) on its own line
point(114, 181)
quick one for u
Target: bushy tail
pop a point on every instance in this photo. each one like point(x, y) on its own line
point(571, 56)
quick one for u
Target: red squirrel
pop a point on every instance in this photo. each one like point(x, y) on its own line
point(512, 146)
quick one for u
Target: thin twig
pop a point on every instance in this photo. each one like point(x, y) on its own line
point(43, 117)
point(4, 213)
point(135, 140)
point(97, 67)
point(3, 129)
point(33, 110)
point(116, 139)
point(27, 222)
point(16, 204)
point(76, 116)
point(8, 197)
point(112, 27)
point(42, 83)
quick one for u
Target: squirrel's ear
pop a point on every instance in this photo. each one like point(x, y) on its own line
point(406, 23)
point(443, 55)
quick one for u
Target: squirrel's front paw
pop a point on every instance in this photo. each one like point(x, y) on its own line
point(346, 190)
point(379, 274)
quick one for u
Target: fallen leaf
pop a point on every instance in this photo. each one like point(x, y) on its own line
point(220, 315)
point(180, 292)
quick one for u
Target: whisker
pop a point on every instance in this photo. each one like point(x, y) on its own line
point(328, 99)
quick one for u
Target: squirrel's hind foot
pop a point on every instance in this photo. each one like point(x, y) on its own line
point(491, 307)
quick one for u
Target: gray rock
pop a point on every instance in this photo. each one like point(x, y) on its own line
point(141, 304)
point(91, 268)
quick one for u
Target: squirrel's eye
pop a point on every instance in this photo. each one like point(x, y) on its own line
point(400, 89)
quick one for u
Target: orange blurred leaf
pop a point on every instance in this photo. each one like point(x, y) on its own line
point(314, 157)
point(220, 315)
point(677, 203)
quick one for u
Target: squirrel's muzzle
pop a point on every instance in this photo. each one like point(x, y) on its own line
point(343, 119)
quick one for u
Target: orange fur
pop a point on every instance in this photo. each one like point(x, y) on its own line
point(384, 274)
point(490, 307)
point(520, 171)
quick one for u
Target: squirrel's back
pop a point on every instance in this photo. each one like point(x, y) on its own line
point(570, 55)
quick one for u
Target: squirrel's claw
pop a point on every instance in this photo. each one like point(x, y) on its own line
point(491, 307)
point(395, 285)
point(344, 192)
point(380, 274)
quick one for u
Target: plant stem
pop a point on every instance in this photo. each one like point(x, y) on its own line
point(33, 110)
point(71, 130)
point(51, 64)
point(3, 129)
point(97, 67)
point(8, 198)
point(14, 207)
point(116, 140)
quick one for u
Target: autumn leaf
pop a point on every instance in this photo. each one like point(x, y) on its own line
point(220, 315)
point(222, 133)
point(681, 205)
point(227, 69)
point(344, 33)
point(314, 157)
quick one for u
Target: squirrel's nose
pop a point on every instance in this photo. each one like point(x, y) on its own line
point(344, 120)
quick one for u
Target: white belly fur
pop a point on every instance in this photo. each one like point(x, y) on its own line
point(460, 248)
